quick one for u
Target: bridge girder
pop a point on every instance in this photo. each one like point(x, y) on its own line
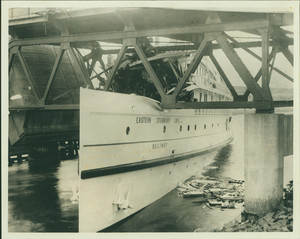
point(201, 36)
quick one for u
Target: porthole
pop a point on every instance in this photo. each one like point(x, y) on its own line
point(188, 128)
point(212, 125)
point(195, 127)
point(164, 129)
point(127, 130)
point(204, 126)
point(180, 128)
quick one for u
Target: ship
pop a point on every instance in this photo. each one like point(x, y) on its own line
point(133, 151)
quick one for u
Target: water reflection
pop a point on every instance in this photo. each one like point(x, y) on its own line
point(220, 163)
point(40, 196)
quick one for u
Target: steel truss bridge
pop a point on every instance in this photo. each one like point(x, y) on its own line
point(47, 64)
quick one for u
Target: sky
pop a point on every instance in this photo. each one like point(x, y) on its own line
point(253, 64)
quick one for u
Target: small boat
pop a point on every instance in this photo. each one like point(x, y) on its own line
point(132, 152)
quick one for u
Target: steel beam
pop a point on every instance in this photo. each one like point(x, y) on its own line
point(150, 71)
point(288, 55)
point(115, 67)
point(259, 73)
point(244, 47)
point(91, 67)
point(28, 76)
point(78, 68)
point(10, 60)
point(193, 65)
point(222, 73)
point(240, 67)
point(273, 61)
point(105, 36)
point(265, 64)
point(173, 68)
point(186, 47)
point(52, 75)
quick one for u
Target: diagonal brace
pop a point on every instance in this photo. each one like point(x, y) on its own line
point(193, 65)
point(28, 75)
point(240, 67)
point(258, 57)
point(116, 66)
point(52, 75)
point(288, 55)
point(150, 70)
point(78, 67)
point(259, 73)
point(222, 73)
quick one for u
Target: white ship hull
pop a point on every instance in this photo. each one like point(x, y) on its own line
point(132, 153)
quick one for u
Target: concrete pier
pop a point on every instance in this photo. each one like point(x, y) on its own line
point(263, 162)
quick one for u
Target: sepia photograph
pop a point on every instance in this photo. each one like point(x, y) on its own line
point(155, 117)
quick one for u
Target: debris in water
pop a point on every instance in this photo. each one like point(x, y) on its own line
point(214, 202)
point(217, 191)
point(193, 194)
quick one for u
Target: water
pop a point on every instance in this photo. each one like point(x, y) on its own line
point(41, 198)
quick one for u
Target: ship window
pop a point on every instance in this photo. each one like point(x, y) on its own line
point(180, 128)
point(212, 125)
point(218, 124)
point(195, 127)
point(188, 128)
point(165, 128)
point(127, 130)
point(204, 126)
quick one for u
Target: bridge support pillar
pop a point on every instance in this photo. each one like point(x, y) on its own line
point(263, 162)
